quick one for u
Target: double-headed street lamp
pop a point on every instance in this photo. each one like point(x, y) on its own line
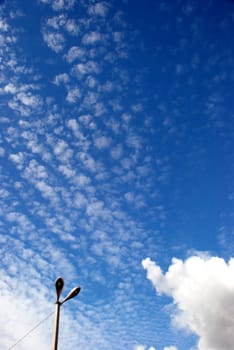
point(59, 287)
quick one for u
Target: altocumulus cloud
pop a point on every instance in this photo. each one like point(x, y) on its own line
point(142, 347)
point(202, 289)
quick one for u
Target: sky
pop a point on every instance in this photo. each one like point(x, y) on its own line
point(116, 173)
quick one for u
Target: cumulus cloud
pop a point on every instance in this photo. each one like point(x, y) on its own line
point(202, 289)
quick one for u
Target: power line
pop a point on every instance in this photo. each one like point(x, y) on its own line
point(29, 332)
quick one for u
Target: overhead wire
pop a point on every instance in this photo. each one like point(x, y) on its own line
point(30, 331)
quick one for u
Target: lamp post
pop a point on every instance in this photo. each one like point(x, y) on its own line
point(59, 283)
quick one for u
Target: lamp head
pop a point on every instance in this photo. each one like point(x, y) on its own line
point(73, 293)
point(59, 283)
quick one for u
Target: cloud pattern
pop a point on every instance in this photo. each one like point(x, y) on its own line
point(87, 149)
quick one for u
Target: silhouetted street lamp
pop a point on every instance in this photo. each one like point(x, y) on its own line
point(73, 293)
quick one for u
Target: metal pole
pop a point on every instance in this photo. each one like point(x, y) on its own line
point(56, 325)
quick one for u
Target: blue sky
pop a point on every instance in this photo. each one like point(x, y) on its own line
point(116, 173)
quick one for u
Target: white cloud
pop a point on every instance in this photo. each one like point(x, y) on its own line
point(72, 27)
point(81, 180)
point(117, 152)
point(72, 123)
point(202, 289)
point(143, 347)
point(28, 99)
point(67, 171)
point(134, 141)
point(99, 9)
point(102, 142)
point(108, 86)
point(73, 95)
point(91, 98)
point(139, 347)
point(47, 191)
point(74, 126)
point(127, 163)
point(10, 88)
point(55, 41)
point(18, 159)
point(26, 102)
point(3, 26)
point(91, 82)
point(57, 21)
point(61, 21)
point(60, 147)
point(126, 117)
point(75, 53)
point(62, 78)
point(59, 4)
point(62, 4)
point(85, 119)
point(129, 196)
point(86, 68)
point(35, 171)
point(91, 38)
point(95, 209)
point(24, 316)
point(118, 36)
point(79, 200)
point(88, 161)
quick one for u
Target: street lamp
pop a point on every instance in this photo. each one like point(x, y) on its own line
point(59, 283)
